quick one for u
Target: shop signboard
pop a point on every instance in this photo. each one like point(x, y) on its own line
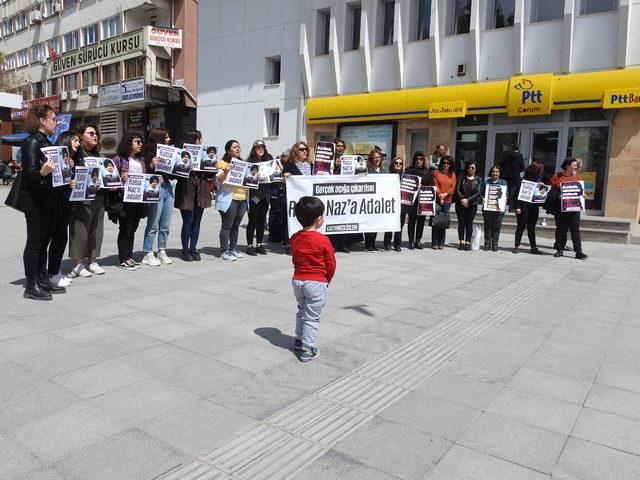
point(448, 109)
point(109, 94)
point(126, 91)
point(621, 98)
point(164, 37)
point(530, 95)
point(53, 101)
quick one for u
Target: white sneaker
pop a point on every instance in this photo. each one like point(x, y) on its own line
point(60, 280)
point(164, 258)
point(80, 271)
point(236, 253)
point(150, 259)
point(228, 256)
point(96, 269)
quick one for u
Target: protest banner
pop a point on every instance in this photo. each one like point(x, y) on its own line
point(270, 171)
point(168, 156)
point(142, 188)
point(109, 175)
point(352, 204)
point(427, 201)
point(409, 188)
point(572, 196)
point(495, 197)
point(79, 192)
point(237, 173)
point(533, 192)
point(62, 172)
point(325, 152)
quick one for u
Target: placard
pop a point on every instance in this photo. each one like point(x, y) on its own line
point(325, 153)
point(409, 188)
point(208, 158)
point(109, 175)
point(241, 175)
point(495, 197)
point(142, 188)
point(270, 171)
point(533, 192)
point(427, 201)
point(353, 204)
point(572, 196)
point(349, 163)
point(170, 157)
point(87, 180)
point(62, 171)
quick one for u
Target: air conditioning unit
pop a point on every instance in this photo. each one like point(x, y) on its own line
point(462, 70)
point(57, 7)
point(92, 90)
point(64, 95)
point(73, 94)
point(35, 17)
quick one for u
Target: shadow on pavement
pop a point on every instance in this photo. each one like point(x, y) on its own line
point(275, 337)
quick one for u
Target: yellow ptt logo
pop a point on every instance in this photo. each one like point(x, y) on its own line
point(524, 85)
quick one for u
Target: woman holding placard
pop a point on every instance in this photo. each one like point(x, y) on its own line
point(493, 217)
point(129, 161)
point(444, 179)
point(298, 163)
point(192, 198)
point(258, 203)
point(397, 167)
point(158, 214)
point(567, 221)
point(374, 166)
point(39, 201)
point(467, 198)
point(526, 212)
point(231, 202)
point(415, 228)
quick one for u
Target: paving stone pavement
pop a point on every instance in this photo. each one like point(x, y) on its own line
point(480, 365)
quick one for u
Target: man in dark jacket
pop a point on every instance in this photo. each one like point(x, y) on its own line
point(512, 164)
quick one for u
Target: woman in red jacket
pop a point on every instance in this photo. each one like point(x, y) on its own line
point(567, 221)
point(444, 179)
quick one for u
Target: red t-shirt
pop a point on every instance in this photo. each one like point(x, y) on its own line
point(312, 256)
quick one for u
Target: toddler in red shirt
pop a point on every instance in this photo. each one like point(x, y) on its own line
point(314, 265)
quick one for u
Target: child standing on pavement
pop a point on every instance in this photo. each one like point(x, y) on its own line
point(314, 265)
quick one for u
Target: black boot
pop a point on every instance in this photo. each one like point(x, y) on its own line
point(195, 255)
point(186, 255)
point(34, 292)
point(44, 281)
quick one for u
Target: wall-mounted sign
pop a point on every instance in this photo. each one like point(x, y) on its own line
point(136, 119)
point(53, 101)
point(621, 98)
point(448, 109)
point(530, 95)
point(126, 91)
point(99, 52)
point(164, 37)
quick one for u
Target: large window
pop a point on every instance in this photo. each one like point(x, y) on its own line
point(597, 6)
point(7, 27)
point(272, 118)
point(111, 27)
point(589, 144)
point(38, 52)
point(69, 3)
point(22, 57)
point(10, 62)
point(133, 68)
point(111, 73)
point(53, 45)
point(501, 13)
point(90, 34)
point(163, 68)
point(71, 40)
point(90, 77)
point(21, 21)
point(71, 81)
point(545, 10)
point(48, 7)
point(38, 89)
point(386, 19)
point(459, 17)
point(352, 34)
point(323, 18)
point(272, 76)
point(53, 86)
point(421, 12)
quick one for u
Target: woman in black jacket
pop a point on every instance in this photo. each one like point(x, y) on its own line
point(39, 201)
point(467, 198)
point(298, 163)
point(397, 167)
point(416, 222)
point(527, 213)
point(258, 203)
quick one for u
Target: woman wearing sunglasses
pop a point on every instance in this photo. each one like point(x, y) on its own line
point(298, 163)
point(397, 167)
point(444, 179)
point(420, 169)
point(467, 197)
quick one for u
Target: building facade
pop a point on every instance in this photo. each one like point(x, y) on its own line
point(558, 77)
point(122, 64)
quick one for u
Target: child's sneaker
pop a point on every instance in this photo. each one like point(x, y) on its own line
point(297, 345)
point(308, 353)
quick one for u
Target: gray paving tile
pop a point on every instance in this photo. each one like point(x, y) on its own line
point(87, 332)
point(481, 368)
point(370, 342)
point(123, 343)
point(160, 358)
point(98, 379)
point(582, 460)
point(547, 384)
point(400, 450)
point(15, 460)
point(255, 358)
point(129, 455)
point(144, 400)
point(308, 377)
point(462, 463)
point(333, 465)
point(168, 331)
point(514, 441)
point(15, 329)
point(205, 376)
point(431, 415)
point(197, 427)
point(614, 400)
point(344, 357)
point(620, 369)
point(461, 389)
point(609, 430)
point(61, 361)
point(535, 410)
point(209, 343)
point(35, 344)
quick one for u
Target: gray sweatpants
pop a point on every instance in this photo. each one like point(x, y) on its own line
point(312, 297)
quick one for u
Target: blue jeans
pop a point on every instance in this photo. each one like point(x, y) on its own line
point(191, 227)
point(159, 219)
point(439, 235)
point(312, 297)
point(231, 223)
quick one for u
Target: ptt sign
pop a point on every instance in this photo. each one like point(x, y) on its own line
point(530, 95)
point(621, 99)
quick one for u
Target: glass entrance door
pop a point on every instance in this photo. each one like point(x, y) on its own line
point(503, 142)
point(544, 148)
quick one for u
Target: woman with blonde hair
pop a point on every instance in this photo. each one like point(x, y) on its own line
point(298, 163)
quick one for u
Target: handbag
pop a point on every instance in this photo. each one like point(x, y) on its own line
point(13, 198)
point(441, 220)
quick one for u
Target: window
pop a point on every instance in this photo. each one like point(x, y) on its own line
point(590, 145)
point(22, 58)
point(90, 34)
point(53, 86)
point(273, 71)
point(459, 17)
point(10, 62)
point(71, 81)
point(90, 77)
point(20, 21)
point(545, 10)
point(48, 7)
point(501, 13)
point(272, 117)
point(53, 44)
point(111, 73)
point(385, 25)
point(352, 35)
point(597, 6)
point(133, 68)
point(71, 40)
point(111, 27)
point(38, 52)
point(25, 91)
point(323, 19)
point(7, 27)
point(38, 89)
point(68, 3)
point(163, 68)
point(421, 12)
